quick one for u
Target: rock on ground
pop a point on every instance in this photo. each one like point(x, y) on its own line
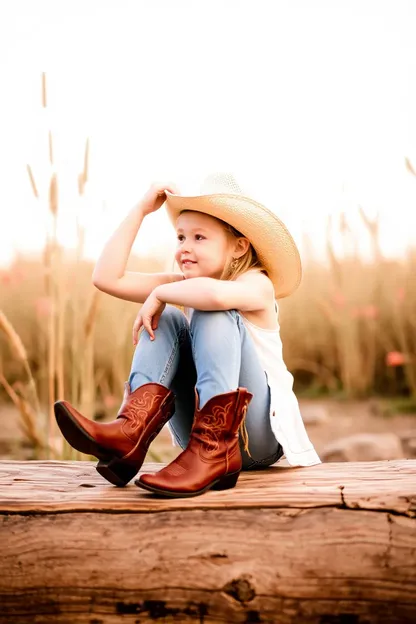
point(364, 447)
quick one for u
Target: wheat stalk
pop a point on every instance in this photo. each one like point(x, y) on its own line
point(53, 194)
point(13, 338)
point(91, 314)
point(32, 181)
point(86, 161)
point(17, 347)
point(44, 102)
point(27, 414)
point(83, 176)
point(19, 350)
point(409, 166)
point(61, 318)
point(373, 227)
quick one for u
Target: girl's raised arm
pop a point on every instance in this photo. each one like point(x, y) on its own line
point(110, 273)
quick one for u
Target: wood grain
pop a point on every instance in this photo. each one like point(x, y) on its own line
point(54, 486)
point(328, 544)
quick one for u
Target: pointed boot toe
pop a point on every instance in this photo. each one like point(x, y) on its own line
point(120, 445)
point(157, 483)
point(147, 481)
point(212, 459)
point(77, 430)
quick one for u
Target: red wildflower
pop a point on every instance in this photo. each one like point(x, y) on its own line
point(400, 294)
point(43, 306)
point(5, 278)
point(395, 358)
point(369, 311)
point(338, 299)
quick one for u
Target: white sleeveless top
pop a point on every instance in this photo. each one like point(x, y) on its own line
point(285, 417)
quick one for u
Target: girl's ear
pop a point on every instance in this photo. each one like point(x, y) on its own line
point(241, 246)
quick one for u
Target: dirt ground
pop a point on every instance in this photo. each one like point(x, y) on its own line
point(326, 421)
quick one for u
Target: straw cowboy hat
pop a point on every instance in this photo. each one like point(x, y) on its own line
point(221, 197)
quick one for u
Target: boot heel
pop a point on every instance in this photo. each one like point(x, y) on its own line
point(227, 482)
point(116, 471)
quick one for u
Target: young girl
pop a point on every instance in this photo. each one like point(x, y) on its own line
point(216, 375)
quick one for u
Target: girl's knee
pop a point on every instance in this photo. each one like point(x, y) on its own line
point(213, 316)
point(172, 315)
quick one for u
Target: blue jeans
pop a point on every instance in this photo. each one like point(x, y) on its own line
point(214, 353)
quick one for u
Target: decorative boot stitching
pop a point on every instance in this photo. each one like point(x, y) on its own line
point(210, 427)
point(138, 410)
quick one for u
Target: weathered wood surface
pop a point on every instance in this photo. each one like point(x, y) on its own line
point(53, 486)
point(334, 543)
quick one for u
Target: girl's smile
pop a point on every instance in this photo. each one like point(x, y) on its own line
point(203, 245)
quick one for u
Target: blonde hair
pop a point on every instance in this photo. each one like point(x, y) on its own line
point(238, 266)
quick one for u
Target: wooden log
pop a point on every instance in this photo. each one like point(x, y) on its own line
point(327, 544)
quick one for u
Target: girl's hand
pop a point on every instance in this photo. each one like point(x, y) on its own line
point(155, 196)
point(148, 317)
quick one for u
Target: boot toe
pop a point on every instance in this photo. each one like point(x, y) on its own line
point(155, 483)
point(70, 423)
point(147, 479)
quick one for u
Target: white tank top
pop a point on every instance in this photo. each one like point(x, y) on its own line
point(285, 417)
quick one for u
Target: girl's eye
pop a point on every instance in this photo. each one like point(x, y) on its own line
point(181, 237)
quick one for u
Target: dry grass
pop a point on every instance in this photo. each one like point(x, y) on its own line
point(87, 365)
point(350, 327)
point(339, 329)
point(29, 408)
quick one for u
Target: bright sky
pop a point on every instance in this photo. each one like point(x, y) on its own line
point(310, 103)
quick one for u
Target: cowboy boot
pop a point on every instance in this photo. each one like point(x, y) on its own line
point(212, 458)
point(120, 445)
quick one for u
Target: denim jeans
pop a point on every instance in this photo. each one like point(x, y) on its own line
point(214, 353)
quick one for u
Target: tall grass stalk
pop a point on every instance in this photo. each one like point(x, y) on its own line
point(29, 410)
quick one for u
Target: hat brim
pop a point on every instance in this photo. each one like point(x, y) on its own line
point(272, 241)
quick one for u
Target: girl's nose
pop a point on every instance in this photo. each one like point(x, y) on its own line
point(186, 247)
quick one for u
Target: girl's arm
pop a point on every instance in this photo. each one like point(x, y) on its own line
point(109, 273)
point(251, 291)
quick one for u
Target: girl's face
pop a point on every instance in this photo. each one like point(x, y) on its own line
point(204, 246)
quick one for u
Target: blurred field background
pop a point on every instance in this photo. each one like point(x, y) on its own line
point(317, 110)
point(349, 332)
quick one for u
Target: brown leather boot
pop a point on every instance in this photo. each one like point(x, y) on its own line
point(212, 458)
point(120, 445)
